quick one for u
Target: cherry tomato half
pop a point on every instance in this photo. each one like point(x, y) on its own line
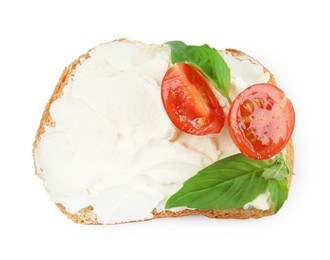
point(190, 102)
point(261, 121)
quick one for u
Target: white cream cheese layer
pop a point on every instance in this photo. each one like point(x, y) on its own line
point(110, 144)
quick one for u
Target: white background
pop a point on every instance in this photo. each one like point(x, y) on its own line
point(39, 38)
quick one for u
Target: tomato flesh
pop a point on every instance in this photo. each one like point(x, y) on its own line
point(261, 121)
point(190, 102)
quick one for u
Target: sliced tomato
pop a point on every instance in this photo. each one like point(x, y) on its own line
point(261, 121)
point(190, 102)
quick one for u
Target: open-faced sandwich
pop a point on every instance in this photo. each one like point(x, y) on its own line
point(137, 131)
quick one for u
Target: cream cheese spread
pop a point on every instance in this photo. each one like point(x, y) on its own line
point(110, 146)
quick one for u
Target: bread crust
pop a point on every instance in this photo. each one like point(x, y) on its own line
point(87, 215)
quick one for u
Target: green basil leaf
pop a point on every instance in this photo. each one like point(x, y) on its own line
point(233, 182)
point(226, 184)
point(205, 59)
point(278, 170)
point(278, 192)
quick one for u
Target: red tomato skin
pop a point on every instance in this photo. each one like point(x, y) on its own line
point(261, 121)
point(190, 102)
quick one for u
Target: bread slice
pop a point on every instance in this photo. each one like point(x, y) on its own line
point(87, 216)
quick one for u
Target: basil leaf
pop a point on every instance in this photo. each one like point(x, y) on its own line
point(278, 170)
point(233, 182)
point(279, 192)
point(205, 59)
point(227, 184)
